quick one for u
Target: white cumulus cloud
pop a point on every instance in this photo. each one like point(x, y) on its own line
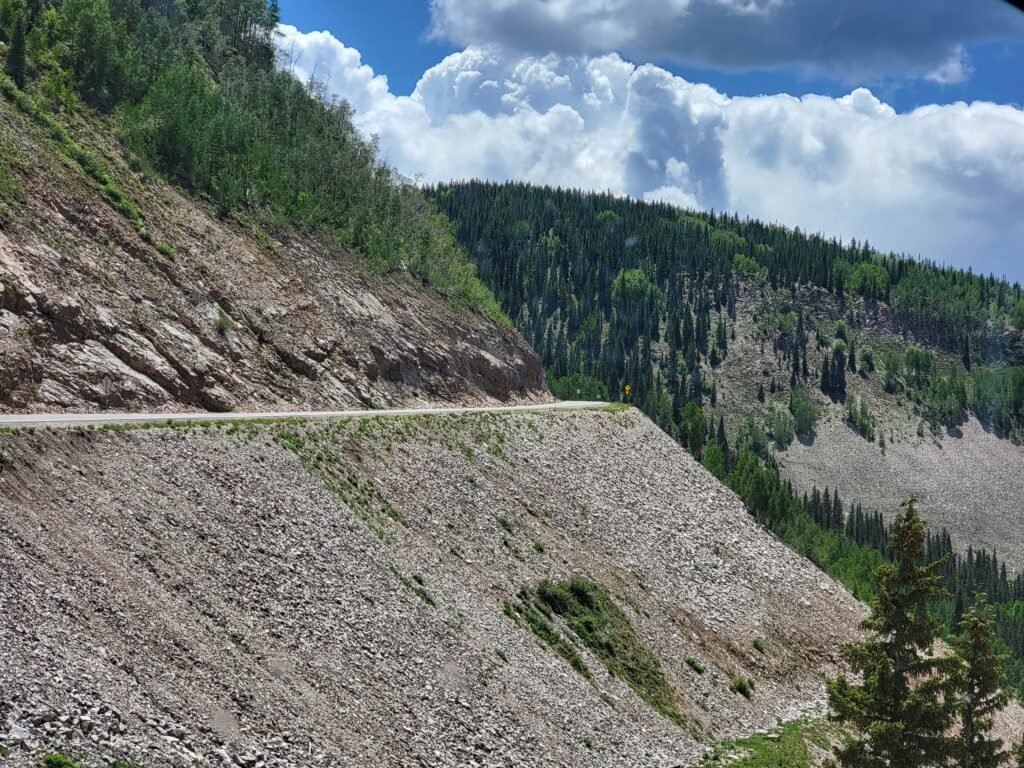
point(956, 69)
point(945, 182)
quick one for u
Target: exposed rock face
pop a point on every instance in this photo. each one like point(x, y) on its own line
point(333, 594)
point(92, 315)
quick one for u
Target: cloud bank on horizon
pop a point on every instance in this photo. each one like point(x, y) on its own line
point(945, 182)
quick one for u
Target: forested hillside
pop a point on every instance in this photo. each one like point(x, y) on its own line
point(184, 225)
point(626, 292)
point(194, 90)
point(614, 292)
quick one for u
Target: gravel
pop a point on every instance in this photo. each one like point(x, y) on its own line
point(200, 595)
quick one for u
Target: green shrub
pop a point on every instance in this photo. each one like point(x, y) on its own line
point(867, 361)
point(578, 387)
point(781, 426)
point(695, 665)
point(859, 417)
point(804, 411)
point(714, 460)
point(744, 686)
point(224, 324)
point(759, 645)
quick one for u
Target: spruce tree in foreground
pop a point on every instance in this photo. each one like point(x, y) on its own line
point(901, 713)
point(982, 686)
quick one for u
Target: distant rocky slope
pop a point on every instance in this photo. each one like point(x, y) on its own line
point(968, 479)
point(366, 593)
point(200, 312)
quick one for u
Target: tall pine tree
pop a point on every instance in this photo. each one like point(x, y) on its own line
point(16, 65)
point(901, 712)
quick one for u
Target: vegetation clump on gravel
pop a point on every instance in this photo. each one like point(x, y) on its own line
point(590, 612)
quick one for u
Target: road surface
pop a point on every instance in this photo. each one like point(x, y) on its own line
point(68, 420)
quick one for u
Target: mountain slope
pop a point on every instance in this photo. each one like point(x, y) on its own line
point(717, 324)
point(966, 476)
point(792, 365)
point(219, 316)
point(351, 593)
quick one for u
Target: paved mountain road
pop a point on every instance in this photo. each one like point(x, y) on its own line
point(66, 421)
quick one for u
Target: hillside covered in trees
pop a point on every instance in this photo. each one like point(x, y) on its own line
point(620, 291)
point(194, 92)
point(614, 292)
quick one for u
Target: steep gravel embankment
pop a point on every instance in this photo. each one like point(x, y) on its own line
point(332, 594)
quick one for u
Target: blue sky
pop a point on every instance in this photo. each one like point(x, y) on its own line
point(391, 34)
point(393, 37)
point(702, 103)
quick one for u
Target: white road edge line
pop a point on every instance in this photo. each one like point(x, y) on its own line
point(65, 420)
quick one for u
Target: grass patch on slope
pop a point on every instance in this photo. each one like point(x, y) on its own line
point(56, 760)
point(787, 747)
point(10, 188)
point(321, 449)
point(537, 617)
point(589, 611)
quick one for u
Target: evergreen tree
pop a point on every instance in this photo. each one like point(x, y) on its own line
point(16, 65)
point(1018, 754)
point(983, 689)
point(714, 459)
point(901, 712)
